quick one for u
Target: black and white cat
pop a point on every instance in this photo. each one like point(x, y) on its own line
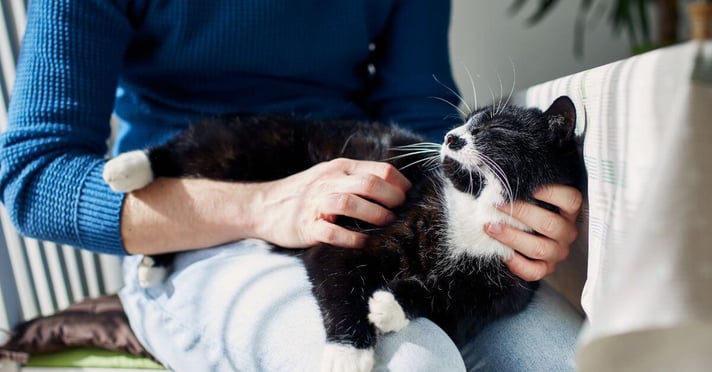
point(435, 261)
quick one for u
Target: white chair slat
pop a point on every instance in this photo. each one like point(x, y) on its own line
point(57, 276)
point(40, 277)
point(10, 311)
point(20, 271)
point(5, 321)
point(18, 10)
point(7, 56)
point(3, 111)
point(111, 273)
point(74, 276)
point(91, 275)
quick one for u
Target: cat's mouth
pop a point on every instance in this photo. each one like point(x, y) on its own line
point(464, 154)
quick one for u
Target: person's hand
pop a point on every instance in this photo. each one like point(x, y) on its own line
point(537, 255)
point(299, 211)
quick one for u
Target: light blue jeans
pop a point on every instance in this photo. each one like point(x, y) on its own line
point(240, 307)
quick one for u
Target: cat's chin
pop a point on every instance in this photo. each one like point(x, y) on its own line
point(467, 217)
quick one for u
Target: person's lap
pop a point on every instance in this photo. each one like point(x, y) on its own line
point(540, 338)
point(240, 307)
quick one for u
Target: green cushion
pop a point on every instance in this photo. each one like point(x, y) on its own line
point(91, 358)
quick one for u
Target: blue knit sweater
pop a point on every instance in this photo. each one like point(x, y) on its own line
point(160, 65)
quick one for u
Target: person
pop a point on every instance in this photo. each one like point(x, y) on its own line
point(159, 66)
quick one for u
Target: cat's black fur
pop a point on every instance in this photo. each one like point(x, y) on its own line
point(412, 257)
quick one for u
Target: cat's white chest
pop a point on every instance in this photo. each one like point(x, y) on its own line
point(467, 217)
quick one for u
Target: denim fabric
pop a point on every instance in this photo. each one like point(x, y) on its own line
point(540, 338)
point(240, 307)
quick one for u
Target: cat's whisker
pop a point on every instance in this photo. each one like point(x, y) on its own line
point(499, 173)
point(411, 154)
point(472, 83)
point(417, 145)
point(462, 100)
point(451, 104)
point(492, 112)
point(416, 162)
point(501, 93)
point(503, 180)
point(432, 164)
point(346, 143)
point(514, 80)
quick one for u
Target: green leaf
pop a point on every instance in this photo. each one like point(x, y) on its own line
point(544, 7)
point(516, 6)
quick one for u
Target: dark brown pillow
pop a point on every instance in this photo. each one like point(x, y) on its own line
point(97, 322)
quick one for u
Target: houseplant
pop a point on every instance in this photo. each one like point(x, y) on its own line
point(632, 17)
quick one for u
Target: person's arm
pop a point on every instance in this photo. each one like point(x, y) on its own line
point(52, 152)
point(297, 212)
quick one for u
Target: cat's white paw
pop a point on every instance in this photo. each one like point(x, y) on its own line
point(386, 313)
point(128, 171)
point(150, 275)
point(345, 358)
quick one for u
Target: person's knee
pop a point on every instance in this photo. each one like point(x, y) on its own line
point(540, 338)
point(421, 346)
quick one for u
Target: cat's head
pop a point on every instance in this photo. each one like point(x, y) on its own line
point(520, 148)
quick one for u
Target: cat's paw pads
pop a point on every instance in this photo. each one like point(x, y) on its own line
point(128, 171)
point(386, 313)
point(346, 358)
point(150, 275)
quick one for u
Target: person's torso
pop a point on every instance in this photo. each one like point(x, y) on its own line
point(191, 58)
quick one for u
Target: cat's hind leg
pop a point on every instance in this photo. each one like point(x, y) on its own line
point(152, 270)
point(342, 279)
point(128, 172)
point(391, 309)
point(346, 358)
point(385, 313)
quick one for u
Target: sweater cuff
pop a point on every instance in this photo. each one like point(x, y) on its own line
point(99, 214)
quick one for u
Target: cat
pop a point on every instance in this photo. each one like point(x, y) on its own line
point(435, 260)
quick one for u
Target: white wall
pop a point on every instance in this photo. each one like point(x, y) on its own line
point(484, 37)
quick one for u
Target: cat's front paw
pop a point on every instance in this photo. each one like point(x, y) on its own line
point(386, 313)
point(150, 275)
point(346, 358)
point(128, 171)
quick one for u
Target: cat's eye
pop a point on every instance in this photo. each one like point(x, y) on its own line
point(499, 128)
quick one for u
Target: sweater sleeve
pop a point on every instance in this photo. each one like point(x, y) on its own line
point(53, 150)
point(413, 77)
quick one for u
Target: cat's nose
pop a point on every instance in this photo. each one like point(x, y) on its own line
point(454, 142)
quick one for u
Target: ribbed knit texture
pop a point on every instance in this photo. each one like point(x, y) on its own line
point(177, 61)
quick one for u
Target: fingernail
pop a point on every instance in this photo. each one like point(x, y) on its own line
point(494, 228)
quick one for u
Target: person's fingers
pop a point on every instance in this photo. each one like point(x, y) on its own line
point(534, 247)
point(543, 221)
point(372, 188)
point(566, 198)
point(384, 171)
point(350, 205)
point(329, 233)
point(527, 269)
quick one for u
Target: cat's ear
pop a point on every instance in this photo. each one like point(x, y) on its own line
point(562, 117)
